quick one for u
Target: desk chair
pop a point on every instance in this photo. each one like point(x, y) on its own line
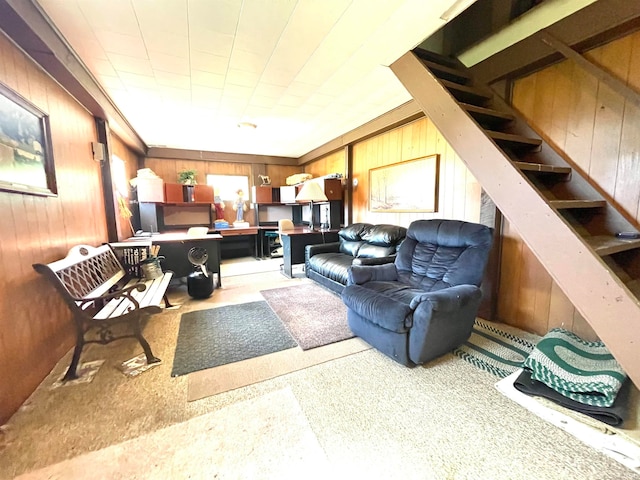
point(283, 224)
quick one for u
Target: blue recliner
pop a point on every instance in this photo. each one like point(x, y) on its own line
point(424, 304)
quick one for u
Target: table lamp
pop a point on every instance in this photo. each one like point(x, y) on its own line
point(311, 192)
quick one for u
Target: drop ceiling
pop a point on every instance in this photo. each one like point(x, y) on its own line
point(185, 73)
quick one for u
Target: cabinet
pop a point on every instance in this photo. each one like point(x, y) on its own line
point(178, 193)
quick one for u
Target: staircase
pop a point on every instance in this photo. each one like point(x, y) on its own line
point(564, 220)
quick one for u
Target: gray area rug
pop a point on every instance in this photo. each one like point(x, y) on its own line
point(312, 314)
point(209, 338)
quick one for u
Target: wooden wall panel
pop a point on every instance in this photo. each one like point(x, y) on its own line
point(279, 173)
point(332, 163)
point(119, 148)
point(599, 132)
point(36, 326)
point(458, 192)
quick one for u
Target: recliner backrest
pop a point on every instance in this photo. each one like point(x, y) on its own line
point(437, 254)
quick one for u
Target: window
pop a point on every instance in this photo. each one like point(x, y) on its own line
point(227, 186)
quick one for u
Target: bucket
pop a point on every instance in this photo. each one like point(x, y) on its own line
point(151, 268)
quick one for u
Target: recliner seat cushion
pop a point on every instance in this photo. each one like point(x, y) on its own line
point(387, 304)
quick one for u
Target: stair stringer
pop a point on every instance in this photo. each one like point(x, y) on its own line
point(600, 296)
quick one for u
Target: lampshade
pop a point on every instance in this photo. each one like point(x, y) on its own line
point(311, 192)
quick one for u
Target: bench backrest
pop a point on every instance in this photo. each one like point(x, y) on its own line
point(85, 272)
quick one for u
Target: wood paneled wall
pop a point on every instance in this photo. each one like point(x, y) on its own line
point(600, 133)
point(118, 148)
point(36, 326)
point(459, 191)
point(332, 163)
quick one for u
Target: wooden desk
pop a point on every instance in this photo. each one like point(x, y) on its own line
point(294, 241)
point(243, 232)
point(175, 246)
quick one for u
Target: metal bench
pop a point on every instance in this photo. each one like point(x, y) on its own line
point(99, 294)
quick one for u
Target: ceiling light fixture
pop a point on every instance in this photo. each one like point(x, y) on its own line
point(247, 125)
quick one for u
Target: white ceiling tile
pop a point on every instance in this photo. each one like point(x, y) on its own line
point(169, 63)
point(207, 79)
point(217, 15)
point(210, 41)
point(209, 63)
point(242, 78)
point(129, 45)
point(126, 64)
point(168, 79)
point(306, 70)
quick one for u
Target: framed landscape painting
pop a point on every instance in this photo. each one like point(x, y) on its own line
point(26, 158)
point(410, 186)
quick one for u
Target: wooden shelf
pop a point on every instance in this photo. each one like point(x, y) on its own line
point(608, 244)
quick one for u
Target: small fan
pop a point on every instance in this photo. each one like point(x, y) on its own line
point(198, 257)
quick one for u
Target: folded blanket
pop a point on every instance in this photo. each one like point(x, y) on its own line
point(582, 371)
point(614, 415)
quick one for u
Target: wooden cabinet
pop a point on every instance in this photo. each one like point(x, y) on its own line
point(265, 194)
point(178, 193)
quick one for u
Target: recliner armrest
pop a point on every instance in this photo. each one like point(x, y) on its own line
point(360, 274)
point(374, 260)
point(311, 250)
point(448, 299)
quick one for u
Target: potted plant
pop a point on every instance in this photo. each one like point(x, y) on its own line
point(187, 177)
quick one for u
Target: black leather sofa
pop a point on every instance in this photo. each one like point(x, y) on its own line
point(359, 244)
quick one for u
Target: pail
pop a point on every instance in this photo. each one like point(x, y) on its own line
point(151, 268)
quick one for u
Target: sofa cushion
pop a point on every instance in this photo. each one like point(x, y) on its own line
point(350, 248)
point(384, 235)
point(354, 231)
point(334, 266)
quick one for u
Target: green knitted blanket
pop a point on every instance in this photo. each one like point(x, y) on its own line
point(582, 371)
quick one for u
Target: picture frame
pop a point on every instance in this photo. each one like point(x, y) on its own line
point(26, 153)
point(408, 186)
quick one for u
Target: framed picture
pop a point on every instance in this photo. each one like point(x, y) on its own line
point(26, 158)
point(410, 186)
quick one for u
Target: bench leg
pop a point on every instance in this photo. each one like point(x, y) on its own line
point(72, 371)
point(166, 301)
point(143, 342)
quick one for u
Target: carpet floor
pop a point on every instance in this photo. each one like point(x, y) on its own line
point(217, 336)
point(313, 315)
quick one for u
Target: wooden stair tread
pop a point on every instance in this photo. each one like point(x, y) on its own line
point(562, 204)
point(487, 114)
point(608, 244)
point(436, 57)
point(514, 139)
point(474, 92)
point(538, 167)
point(449, 72)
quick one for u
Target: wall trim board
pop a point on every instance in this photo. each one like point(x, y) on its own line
point(183, 154)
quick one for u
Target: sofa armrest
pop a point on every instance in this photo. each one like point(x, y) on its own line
point(374, 260)
point(359, 274)
point(448, 299)
point(311, 250)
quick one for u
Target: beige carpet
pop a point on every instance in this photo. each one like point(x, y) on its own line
point(235, 442)
point(212, 381)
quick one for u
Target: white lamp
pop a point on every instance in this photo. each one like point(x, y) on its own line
point(311, 192)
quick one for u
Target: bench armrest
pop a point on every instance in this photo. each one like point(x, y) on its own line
point(123, 292)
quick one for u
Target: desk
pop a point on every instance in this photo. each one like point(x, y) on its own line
point(175, 247)
point(254, 232)
point(294, 241)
